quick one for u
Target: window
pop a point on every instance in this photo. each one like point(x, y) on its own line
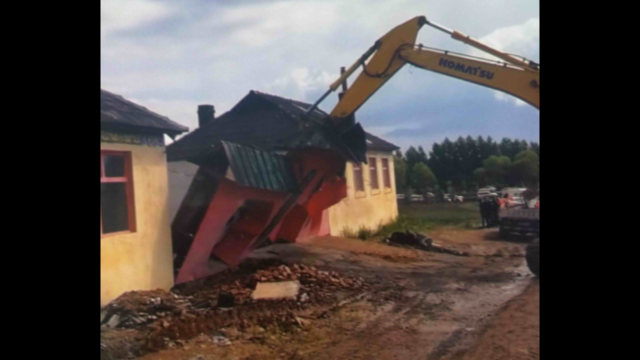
point(373, 172)
point(117, 212)
point(357, 177)
point(385, 173)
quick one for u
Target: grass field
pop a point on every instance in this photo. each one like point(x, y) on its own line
point(420, 217)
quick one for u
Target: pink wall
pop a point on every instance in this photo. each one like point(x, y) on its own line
point(233, 241)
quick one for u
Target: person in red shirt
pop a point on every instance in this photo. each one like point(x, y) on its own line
point(504, 201)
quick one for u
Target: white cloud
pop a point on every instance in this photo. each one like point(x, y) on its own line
point(260, 25)
point(522, 39)
point(383, 130)
point(216, 52)
point(300, 81)
point(126, 14)
point(500, 96)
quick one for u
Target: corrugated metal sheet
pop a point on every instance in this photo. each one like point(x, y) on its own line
point(259, 169)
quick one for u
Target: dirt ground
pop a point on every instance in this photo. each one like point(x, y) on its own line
point(405, 304)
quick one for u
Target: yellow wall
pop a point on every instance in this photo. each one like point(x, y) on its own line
point(368, 209)
point(141, 260)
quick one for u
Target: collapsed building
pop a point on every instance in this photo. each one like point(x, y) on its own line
point(269, 170)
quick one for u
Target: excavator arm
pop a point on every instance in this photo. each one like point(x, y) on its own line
point(505, 77)
point(516, 76)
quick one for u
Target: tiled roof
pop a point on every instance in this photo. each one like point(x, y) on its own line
point(117, 112)
point(376, 143)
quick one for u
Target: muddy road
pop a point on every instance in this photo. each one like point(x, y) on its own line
point(416, 305)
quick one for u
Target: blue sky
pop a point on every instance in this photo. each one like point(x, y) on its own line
point(170, 56)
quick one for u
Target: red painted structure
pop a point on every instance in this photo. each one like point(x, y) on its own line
point(227, 221)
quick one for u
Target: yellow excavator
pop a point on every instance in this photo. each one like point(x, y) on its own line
point(513, 75)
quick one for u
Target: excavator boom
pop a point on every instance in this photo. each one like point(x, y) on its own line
point(516, 76)
point(507, 78)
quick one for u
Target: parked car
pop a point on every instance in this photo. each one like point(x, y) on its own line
point(486, 191)
point(515, 196)
point(516, 201)
point(400, 196)
point(447, 198)
point(416, 197)
point(458, 198)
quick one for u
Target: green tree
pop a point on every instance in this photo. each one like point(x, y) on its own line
point(400, 170)
point(480, 177)
point(525, 169)
point(422, 178)
point(496, 169)
point(414, 156)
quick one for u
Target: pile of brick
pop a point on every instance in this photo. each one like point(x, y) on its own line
point(187, 311)
point(310, 277)
point(138, 308)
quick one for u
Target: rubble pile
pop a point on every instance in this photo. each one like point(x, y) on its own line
point(224, 301)
point(137, 308)
point(318, 285)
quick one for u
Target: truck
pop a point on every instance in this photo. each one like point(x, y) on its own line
point(520, 220)
point(513, 74)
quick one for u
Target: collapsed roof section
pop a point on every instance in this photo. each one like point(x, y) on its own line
point(258, 169)
point(245, 197)
point(267, 171)
point(274, 123)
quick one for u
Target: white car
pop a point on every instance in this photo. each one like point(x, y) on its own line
point(458, 198)
point(485, 191)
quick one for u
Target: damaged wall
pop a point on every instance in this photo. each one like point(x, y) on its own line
point(140, 260)
point(181, 175)
point(369, 209)
point(225, 217)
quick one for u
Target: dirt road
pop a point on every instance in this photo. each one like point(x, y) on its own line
point(513, 333)
point(417, 305)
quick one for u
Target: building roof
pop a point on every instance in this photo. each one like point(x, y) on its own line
point(271, 123)
point(118, 113)
point(378, 144)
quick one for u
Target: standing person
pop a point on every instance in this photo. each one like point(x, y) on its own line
point(503, 201)
point(495, 208)
point(483, 211)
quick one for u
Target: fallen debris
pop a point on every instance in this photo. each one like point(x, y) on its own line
point(228, 300)
point(225, 300)
point(419, 241)
point(220, 340)
point(276, 290)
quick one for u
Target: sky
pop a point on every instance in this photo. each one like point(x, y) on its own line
point(171, 56)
